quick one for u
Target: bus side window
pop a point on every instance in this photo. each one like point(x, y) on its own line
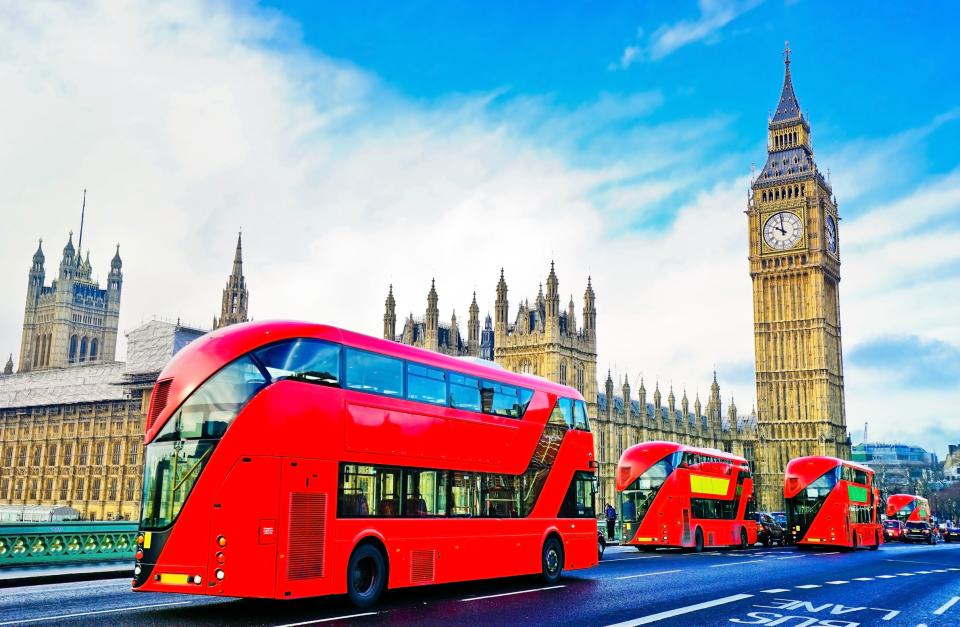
point(426, 384)
point(370, 372)
point(580, 416)
point(388, 492)
point(562, 414)
point(464, 494)
point(464, 392)
point(425, 493)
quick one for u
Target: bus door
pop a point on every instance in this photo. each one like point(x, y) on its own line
point(243, 530)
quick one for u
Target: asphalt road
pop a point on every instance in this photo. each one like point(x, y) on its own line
point(897, 585)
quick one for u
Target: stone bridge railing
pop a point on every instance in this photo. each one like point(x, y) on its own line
point(30, 544)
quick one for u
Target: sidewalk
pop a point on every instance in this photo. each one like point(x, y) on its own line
point(26, 576)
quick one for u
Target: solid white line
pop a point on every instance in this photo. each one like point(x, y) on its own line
point(775, 590)
point(793, 557)
point(830, 553)
point(114, 610)
point(735, 563)
point(863, 578)
point(940, 570)
point(838, 582)
point(326, 620)
point(809, 586)
point(923, 572)
point(904, 574)
point(885, 576)
point(662, 572)
point(652, 618)
point(506, 594)
point(946, 606)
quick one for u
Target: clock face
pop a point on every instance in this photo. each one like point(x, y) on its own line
point(783, 230)
point(831, 234)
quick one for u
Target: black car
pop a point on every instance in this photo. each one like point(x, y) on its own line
point(781, 518)
point(950, 532)
point(601, 545)
point(769, 531)
point(918, 532)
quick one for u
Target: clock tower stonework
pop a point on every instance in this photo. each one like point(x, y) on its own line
point(795, 268)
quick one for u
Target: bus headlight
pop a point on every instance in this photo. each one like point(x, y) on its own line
point(137, 570)
point(219, 574)
point(197, 579)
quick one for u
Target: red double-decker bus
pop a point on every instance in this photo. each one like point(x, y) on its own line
point(832, 502)
point(908, 508)
point(673, 495)
point(288, 460)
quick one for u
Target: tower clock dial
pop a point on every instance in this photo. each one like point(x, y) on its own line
point(783, 230)
point(831, 229)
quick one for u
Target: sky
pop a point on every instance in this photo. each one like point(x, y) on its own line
point(362, 144)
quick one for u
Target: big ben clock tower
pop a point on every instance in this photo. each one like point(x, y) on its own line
point(792, 223)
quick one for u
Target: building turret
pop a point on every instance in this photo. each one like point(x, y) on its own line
point(390, 316)
point(589, 311)
point(609, 389)
point(233, 306)
point(732, 415)
point(8, 367)
point(697, 408)
point(672, 403)
point(115, 279)
point(714, 405)
point(454, 337)
point(487, 340)
point(642, 397)
point(68, 263)
point(571, 317)
point(626, 394)
point(553, 300)
point(408, 330)
point(473, 329)
point(685, 405)
point(37, 274)
point(431, 339)
point(656, 395)
point(501, 310)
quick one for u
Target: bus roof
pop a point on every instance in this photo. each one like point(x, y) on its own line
point(638, 458)
point(200, 359)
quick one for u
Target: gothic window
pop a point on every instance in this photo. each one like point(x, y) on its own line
point(93, 349)
point(22, 456)
point(764, 196)
point(8, 457)
point(128, 495)
point(134, 449)
point(63, 489)
point(116, 453)
point(73, 349)
point(33, 489)
point(48, 490)
point(98, 458)
point(563, 373)
point(789, 195)
point(4, 488)
point(95, 489)
point(18, 490)
point(83, 349)
point(79, 490)
point(36, 455)
point(52, 455)
point(84, 449)
point(67, 454)
point(112, 491)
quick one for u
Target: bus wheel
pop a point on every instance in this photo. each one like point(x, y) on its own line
point(698, 541)
point(366, 575)
point(552, 560)
point(876, 542)
point(743, 539)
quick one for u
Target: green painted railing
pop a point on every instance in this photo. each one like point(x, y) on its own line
point(29, 544)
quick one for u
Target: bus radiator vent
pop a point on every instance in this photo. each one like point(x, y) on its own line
point(422, 566)
point(158, 401)
point(307, 540)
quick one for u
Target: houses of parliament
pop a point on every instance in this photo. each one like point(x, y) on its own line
point(72, 417)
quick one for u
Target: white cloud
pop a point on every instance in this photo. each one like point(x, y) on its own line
point(663, 41)
point(186, 122)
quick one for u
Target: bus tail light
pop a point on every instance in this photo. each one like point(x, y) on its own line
point(139, 539)
point(221, 558)
point(139, 554)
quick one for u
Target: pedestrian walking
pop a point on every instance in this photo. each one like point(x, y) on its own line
point(611, 514)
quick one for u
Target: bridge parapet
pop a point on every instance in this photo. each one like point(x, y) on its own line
point(29, 544)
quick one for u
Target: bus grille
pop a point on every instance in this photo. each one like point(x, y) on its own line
point(307, 540)
point(159, 400)
point(422, 565)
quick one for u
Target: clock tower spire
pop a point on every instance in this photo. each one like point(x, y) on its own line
point(795, 268)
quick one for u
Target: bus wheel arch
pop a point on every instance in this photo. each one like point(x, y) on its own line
point(552, 557)
point(368, 571)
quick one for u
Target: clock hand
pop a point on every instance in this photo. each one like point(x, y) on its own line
point(781, 229)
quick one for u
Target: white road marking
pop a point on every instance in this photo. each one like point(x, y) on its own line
point(923, 572)
point(863, 578)
point(940, 570)
point(830, 553)
point(506, 594)
point(78, 614)
point(662, 572)
point(946, 606)
point(326, 620)
point(735, 563)
point(954, 569)
point(809, 586)
point(885, 576)
point(775, 590)
point(904, 574)
point(652, 618)
point(838, 582)
point(632, 557)
point(793, 557)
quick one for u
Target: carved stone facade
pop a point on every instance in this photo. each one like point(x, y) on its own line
point(792, 223)
point(74, 436)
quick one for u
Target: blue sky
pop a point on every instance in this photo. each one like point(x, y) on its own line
point(362, 144)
